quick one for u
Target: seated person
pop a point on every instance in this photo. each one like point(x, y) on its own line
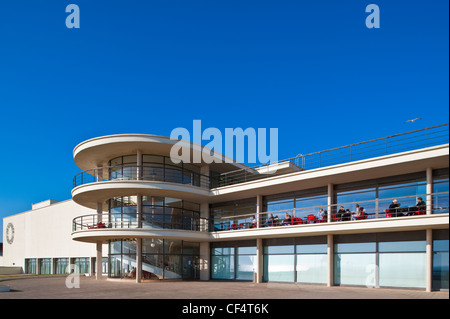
point(359, 212)
point(393, 208)
point(347, 215)
point(421, 205)
point(287, 219)
point(253, 222)
point(340, 213)
point(320, 214)
point(271, 220)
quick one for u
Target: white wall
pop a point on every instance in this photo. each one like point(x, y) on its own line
point(46, 233)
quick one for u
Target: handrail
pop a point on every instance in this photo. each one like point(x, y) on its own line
point(431, 136)
point(378, 206)
point(147, 172)
point(126, 221)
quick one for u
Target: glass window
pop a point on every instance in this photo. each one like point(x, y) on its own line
point(402, 246)
point(355, 247)
point(354, 268)
point(312, 268)
point(222, 267)
point(285, 249)
point(279, 268)
point(312, 249)
point(402, 270)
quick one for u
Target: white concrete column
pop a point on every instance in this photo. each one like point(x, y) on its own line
point(429, 199)
point(429, 264)
point(330, 257)
point(204, 261)
point(138, 260)
point(98, 263)
point(259, 261)
point(259, 210)
point(330, 201)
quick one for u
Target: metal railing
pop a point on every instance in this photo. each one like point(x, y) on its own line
point(373, 209)
point(148, 221)
point(142, 173)
point(431, 136)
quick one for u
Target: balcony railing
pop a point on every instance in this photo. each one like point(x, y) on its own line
point(431, 136)
point(141, 173)
point(149, 221)
point(373, 209)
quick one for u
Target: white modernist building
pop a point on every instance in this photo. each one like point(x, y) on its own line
point(369, 214)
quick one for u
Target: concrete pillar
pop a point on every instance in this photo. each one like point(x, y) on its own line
point(98, 270)
point(204, 261)
point(259, 210)
point(98, 263)
point(259, 261)
point(138, 260)
point(429, 264)
point(429, 199)
point(330, 257)
point(330, 201)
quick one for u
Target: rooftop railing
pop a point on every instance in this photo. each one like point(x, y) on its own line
point(427, 137)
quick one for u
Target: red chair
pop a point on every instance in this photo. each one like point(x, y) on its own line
point(233, 227)
point(241, 226)
point(311, 219)
point(388, 215)
point(297, 221)
point(334, 218)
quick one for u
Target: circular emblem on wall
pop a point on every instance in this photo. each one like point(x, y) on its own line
point(10, 233)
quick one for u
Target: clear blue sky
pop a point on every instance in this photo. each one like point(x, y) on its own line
point(309, 68)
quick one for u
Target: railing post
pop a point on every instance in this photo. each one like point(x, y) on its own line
point(259, 208)
point(330, 201)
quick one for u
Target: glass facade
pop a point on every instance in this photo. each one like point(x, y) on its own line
point(384, 259)
point(157, 212)
point(161, 258)
point(30, 266)
point(440, 259)
point(61, 265)
point(302, 260)
point(233, 215)
point(233, 260)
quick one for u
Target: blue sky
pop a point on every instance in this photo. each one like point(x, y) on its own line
point(312, 69)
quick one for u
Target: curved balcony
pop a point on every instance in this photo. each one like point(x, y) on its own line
point(91, 228)
point(99, 184)
point(142, 173)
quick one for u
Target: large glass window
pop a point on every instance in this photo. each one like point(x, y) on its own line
point(354, 258)
point(170, 259)
point(122, 259)
point(157, 212)
point(233, 261)
point(30, 266)
point(440, 259)
point(61, 265)
point(45, 266)
point(233, 215)
point(312, 263)
point(82, 264)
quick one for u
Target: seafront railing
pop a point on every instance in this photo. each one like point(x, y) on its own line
point(372, 209)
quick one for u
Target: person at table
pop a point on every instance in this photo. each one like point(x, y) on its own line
point(340, 213)
point(270, 221)
point(421, 205)
point(393, 208)
point(287, 219)
point(253, 222)
point(359, 212)
point(320, 214)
